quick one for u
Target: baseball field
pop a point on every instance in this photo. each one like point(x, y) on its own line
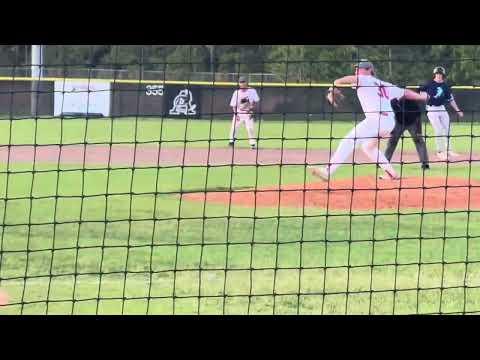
point(159, 216)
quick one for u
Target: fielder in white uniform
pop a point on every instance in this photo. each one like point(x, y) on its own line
point(243, 103)
point(374, 96)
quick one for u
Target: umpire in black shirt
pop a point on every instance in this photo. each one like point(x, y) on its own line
point(407, 117)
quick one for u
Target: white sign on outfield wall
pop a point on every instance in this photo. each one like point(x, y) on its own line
point(86, 97)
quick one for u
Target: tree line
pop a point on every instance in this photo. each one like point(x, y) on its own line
point(401, 64)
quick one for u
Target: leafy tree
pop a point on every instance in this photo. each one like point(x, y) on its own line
point(400, 64)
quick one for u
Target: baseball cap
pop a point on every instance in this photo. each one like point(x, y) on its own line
point(242, 79)
point(439, 70)
point(364, 64)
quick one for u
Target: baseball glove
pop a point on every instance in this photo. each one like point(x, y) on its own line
point(334, 96)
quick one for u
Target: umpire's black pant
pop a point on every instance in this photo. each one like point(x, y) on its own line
point(415, 130)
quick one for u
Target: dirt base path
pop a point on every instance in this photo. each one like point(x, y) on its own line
point(149, 155)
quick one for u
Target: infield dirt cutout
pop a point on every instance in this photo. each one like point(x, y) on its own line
point(361, 193)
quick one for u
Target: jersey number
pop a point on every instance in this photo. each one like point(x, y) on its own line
point(382, 92)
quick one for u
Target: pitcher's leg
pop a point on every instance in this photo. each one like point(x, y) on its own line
point(383, 127)
point(371, 149)
point(344, 150)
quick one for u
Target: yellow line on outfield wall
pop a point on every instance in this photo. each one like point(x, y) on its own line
point(207, 83)
point(166, 82)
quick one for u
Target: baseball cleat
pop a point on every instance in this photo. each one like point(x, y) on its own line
point(320, 173)
point(254, 146)
point(231, 143)
point(389, 176)
point(425, 166)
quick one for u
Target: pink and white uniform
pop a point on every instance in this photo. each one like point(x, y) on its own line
point(374, 96)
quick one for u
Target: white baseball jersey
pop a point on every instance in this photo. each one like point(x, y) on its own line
point(242, 99)
point(375, 95)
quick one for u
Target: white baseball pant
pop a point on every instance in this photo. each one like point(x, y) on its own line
point(367, 135)
point(440, 121)
point(247, 119)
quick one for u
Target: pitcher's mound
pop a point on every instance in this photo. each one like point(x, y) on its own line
point(362, 193)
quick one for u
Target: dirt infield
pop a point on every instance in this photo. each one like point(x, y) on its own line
point(151, 155)
point(362, 193)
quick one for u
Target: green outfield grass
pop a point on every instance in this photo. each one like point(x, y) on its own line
point(197, 133)
point(123, 236)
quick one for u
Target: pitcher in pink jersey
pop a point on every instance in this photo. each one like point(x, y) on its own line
point(374, 96)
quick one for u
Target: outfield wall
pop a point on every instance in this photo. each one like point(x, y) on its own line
point(197, 100)
point(15, 98)
point(213, 101)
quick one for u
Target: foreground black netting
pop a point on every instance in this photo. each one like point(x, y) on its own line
point(122, 194)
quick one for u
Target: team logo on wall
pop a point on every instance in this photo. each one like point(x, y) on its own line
point(183, 104)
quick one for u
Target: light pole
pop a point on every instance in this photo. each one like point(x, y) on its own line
point(211, 48)
point(37, 74)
